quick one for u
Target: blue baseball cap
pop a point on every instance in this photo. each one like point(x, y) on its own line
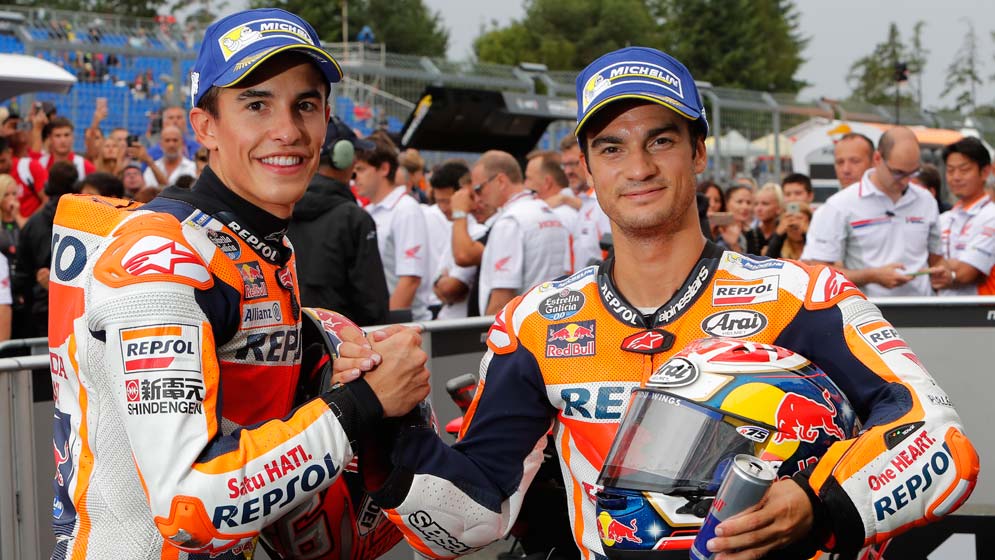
point(637, 73)
point(236, 45)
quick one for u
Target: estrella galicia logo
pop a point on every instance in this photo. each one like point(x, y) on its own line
point(63, 511)
point(565, 303)
point(228, 245)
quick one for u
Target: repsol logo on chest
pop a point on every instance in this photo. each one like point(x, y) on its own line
point(606, 402)
point(277, 497)
point(279, 346)
point(745, 292)
point(261, 247)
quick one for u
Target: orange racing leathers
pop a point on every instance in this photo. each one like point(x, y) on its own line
point(176, 356)
point(566, 354)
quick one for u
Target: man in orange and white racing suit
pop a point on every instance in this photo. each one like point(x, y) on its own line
point(566, 354)
point(175, 330)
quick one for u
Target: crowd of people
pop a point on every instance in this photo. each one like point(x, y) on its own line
point(888, 228)
point(462, 238)
point(38, 166)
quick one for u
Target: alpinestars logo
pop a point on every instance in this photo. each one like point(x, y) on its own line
point(158, 255)
point(648, 342)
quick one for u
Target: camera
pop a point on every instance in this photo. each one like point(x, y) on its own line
point(133, 140)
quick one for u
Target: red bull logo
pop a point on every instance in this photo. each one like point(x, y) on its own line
point(799, 418)
point(612, 531)
point(252, 277)
point(61, 458)
point(567, 340)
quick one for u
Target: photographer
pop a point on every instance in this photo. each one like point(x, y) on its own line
point(788, 241)
point(137, 154)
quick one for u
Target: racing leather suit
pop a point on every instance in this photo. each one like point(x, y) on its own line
point(566, 354)
point(176, 357)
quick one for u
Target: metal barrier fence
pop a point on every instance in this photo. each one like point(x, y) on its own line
point(952, 336)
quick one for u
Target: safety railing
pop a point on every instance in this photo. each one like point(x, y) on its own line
point(952, 336)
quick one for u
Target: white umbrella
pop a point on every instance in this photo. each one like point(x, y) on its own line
point(20, 74)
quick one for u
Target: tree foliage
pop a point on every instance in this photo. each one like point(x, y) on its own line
point(872, 77)
point(750, 44)
point(735, 43)
point(567, 34)
point(963, 74)
point(404, 26)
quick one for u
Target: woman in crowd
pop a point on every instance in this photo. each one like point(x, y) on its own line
point(109, 158)
point(11, 220)
point(769, 201)
point(789, 240)
point(739, 202)
point(716, 203)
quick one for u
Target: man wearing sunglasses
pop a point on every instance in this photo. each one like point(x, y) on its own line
point(883, 232)
point(527, 244)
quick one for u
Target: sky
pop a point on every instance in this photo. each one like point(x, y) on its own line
point(840, 32)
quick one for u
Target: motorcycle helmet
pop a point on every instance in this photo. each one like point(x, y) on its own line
point(717, 398)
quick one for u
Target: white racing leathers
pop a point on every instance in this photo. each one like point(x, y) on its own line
point(566, 354)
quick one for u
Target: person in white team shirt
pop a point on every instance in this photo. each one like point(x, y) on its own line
point(439, 233)
point(882, 232)
point(402, 233)
point(968, 229)
point(451, 282)
point(592, 222)
point(527, 243)
point(173, 164)
point(545, 177)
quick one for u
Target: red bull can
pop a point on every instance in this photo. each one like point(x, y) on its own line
point(744, 486)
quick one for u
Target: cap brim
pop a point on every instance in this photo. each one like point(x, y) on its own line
point(328, 65)
point(668, 102)
point(363, 145)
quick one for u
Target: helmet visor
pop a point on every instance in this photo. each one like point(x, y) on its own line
point(671, 445)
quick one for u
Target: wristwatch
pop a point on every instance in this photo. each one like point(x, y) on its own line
point(459, 215)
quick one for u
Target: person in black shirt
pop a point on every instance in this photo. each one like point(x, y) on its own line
point(338, 262)
point(34, 249)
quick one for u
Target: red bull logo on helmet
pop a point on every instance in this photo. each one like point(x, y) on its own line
point(612, 531)
point(568, 340)
point(799, 418)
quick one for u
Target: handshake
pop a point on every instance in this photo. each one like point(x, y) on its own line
point(390, 360)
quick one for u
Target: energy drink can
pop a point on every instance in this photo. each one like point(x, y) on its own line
point(744, 486)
